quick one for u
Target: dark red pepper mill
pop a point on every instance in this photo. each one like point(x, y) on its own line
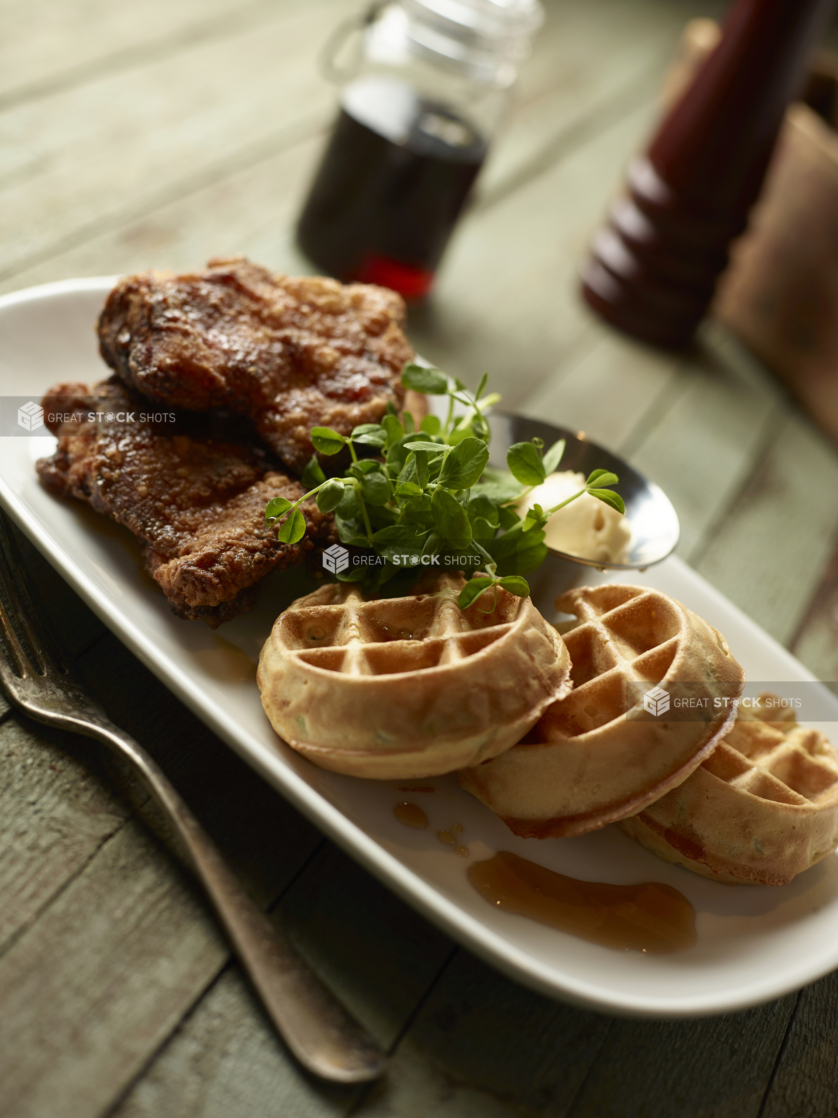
point(653, 269)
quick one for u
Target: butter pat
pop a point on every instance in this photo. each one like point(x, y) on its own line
point(587, 528)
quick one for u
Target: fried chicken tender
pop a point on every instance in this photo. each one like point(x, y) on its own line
point(291, 354)
point(193, 491)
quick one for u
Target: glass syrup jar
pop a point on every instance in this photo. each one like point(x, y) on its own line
point(418, 109)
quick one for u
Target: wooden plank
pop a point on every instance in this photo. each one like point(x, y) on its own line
point(806, 1075)
point(607, 392)
point(225, 1061)
point(70, 622)
point(246, 211)
point(103, 976)
point(716, 1067)
point(65, 44)
point(79, 161)
point(56, 810)
point(701, 448)
point(483, 1045)
point(816, 640)
point(373, 950)
point(779, 532)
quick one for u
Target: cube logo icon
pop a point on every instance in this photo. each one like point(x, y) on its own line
point(30, 417)
point(335, 558)
point(656, 701)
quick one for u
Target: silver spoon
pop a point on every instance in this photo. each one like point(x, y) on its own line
point(654, 522)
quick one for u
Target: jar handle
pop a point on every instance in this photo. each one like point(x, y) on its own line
point(327, 59)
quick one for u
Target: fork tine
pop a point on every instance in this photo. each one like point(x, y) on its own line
point(15, 663)
point(17, 591)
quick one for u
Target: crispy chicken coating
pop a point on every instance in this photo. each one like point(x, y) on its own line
point(193, 490)
point(291, 354)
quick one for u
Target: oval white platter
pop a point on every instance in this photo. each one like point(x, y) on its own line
point(753, 943)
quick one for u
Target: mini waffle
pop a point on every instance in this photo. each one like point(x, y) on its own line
point(760, 809)
point(585, 764)
point(408, 687)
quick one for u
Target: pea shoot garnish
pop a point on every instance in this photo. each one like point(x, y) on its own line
point(427, 498)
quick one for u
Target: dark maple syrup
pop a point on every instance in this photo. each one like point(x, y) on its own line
point(649, 917)
point(394, 178)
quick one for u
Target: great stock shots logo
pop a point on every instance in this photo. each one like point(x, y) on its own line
point(656, 701)
point(30, 416)
point(335, 559)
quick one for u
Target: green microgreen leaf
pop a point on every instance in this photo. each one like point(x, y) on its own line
point(370, 434)
point(472, 590)
point(276, 507)
point(525, 463)
point(431, 425)
point(393, 427)
point(327, 441)
point(433, 382)
point(365, 466)
point(609, 497)
point(293, 529)
point(450, 518)
point(423, 469)
point(400, 543)
point(431, 544)
point(331, 494)
point(515, 585)
point(351, 531)
point(601, 479)
point(436, 448)
point(507, 518)
point(481, 506)
point(483, 529)
point(353, 574)
point(465, 464)
point(554, 456)
point(348, 507)
point(375, 489)
point(312, 475)
point(498, 485)
point(523, 560)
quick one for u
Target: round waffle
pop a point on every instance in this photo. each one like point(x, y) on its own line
point(760, 809)
point(585, 763)
point(408, 687)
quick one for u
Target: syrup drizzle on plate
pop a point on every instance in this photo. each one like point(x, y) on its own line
point(411, 815)
point(650, 917)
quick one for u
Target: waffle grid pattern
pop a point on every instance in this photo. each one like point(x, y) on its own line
point(616, 641)
point(390, 636)
point(792, 766)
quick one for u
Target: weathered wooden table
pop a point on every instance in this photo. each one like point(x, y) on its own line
point(161, 133)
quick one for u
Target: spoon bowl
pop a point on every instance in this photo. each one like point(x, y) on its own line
point(654, 522)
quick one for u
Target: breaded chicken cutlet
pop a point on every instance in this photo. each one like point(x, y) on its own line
point(194, 497)
point(289, 353)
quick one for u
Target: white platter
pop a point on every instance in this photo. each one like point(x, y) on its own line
point(754, 943)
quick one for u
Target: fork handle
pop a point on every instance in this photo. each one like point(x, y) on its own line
point(323, 1036)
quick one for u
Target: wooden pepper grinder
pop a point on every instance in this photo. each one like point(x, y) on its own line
point(654, 267)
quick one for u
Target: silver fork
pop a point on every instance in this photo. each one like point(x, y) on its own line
point(317, 1029)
